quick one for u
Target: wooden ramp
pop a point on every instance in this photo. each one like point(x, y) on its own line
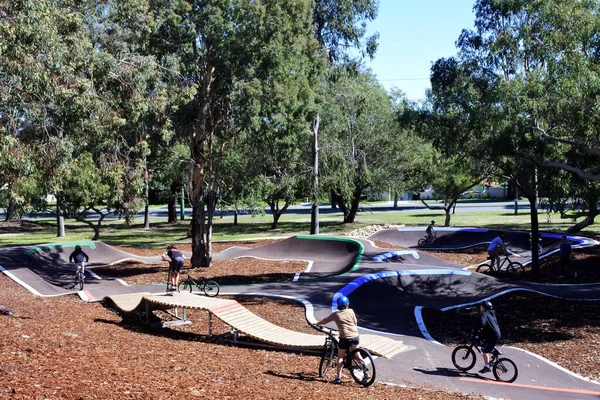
point(246, 322)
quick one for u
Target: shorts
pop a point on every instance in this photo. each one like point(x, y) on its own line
point(346, 343)
point(177, 264)
point(489, 345)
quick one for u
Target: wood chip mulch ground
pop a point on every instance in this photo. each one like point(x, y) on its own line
point(63, 348)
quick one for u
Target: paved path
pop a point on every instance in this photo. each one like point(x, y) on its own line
point(387, 289)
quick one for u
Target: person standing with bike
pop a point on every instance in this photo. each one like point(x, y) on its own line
point(346, 322)
point(176, 261)
point(495, 249)
point(80, 258)
point(489, 331)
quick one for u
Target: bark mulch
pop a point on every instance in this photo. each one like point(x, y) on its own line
point(63, 348)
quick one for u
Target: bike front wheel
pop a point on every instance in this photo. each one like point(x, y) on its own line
point(515, 269)
point(485, 269)
point(80, 280)
point(362, 367)
point(211, 288)
point(422, 242)
point(505, 370)
point(326, 359)
point(184, 286)
point(464, 358)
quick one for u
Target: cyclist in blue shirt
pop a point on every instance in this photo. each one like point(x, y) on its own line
point(496, 248)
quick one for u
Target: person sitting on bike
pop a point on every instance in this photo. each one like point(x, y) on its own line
point(176, 261)
point(495, 249)
point(79, 257)
point(430, 231)
point(345, 319)
point(489, 331)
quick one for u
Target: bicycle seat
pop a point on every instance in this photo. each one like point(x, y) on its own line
point(496, 352)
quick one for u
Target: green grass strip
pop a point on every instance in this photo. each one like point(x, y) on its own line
point(90, 244)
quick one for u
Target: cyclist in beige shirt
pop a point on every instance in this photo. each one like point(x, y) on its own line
point(345, 319)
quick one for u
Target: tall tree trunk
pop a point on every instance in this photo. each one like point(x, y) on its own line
point(314, 212)
point(13, 212)
point(171, 210)
point(351, 215)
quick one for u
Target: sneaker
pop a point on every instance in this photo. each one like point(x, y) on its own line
point(484, 370)
point(336, 381)
point(366, 376)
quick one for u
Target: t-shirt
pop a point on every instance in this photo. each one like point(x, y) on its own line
point(174, 254)
point(565, 249)
point(345, 321)
point(495, 243)
point(78, 256)
point(429, 228)
point(489, 325)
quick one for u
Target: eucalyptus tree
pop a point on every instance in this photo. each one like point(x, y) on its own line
point(356, 137)
point(228, 52)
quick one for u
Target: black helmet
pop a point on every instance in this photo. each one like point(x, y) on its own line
point(78, 247)
point(487, 305)
point(432, 221)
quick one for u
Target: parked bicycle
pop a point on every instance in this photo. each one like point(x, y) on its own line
point(464, 358)
point(428, 241)
point(358, 361)
point(208, 287)
point(512, 268)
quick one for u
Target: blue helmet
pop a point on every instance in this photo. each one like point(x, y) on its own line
point(342, 302)
point(487, 305)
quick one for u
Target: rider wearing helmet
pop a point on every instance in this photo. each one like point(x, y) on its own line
point(430, 231)
point(345, 319)
point(489, 331)
point(79, 257)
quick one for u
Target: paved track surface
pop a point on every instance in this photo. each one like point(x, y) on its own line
point(387, 289)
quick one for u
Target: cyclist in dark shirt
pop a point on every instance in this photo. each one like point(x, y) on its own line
point(430, 231)
point(489, 331)
point(79, 257)
point(176, 261)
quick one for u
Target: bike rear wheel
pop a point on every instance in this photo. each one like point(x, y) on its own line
point(422, 242)
point(505, 370)
point(485, 269)
point(211, 288)
point(326, 359)
point(464, 358)
point(184, 286)
point(362, 367)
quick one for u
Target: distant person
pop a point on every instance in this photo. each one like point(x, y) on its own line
point(565, 255)
point(79, 257)
point(539, 246)
point(176, 261)
point(495, 249)
point(345, 319)
point(430, 231)
point(489, 331)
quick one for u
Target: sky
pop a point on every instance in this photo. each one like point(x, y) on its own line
point(413, 35)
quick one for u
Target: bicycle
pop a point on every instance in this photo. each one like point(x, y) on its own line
point(358, 361)
point(512, 268)
point(464, 358)
point(79, 277)
point(208, 287)
point(429, 241)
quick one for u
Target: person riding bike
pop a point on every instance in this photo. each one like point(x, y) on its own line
point(495, 249)
point(79, 257)
point(489, 331)
point(345, 319)
point(430, 231)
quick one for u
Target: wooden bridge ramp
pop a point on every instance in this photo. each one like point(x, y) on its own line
point(247, 323)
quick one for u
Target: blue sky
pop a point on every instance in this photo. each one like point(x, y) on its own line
point(414, 34)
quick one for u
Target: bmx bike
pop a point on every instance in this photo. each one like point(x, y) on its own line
point(79, 277)
point(428, 241)
point(503, 368)
point(512, 268)
point(358, 361)
point(208, 287)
